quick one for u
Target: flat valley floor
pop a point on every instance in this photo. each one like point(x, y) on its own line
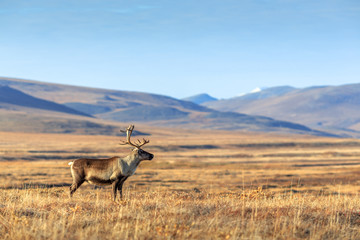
point(200, 185)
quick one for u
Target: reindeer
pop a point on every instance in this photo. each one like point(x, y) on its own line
point(113, 170)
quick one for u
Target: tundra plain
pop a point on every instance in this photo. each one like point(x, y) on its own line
point(200, 185)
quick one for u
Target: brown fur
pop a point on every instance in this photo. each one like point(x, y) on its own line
point(113, 170)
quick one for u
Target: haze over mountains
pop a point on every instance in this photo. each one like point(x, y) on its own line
point(200, 98)
point(44, 107)
point(10, 96)
point(329, 108)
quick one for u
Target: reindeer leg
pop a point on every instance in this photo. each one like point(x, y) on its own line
point(121, 186)
point(115, 187)
point(78, 179)
point(76, 184)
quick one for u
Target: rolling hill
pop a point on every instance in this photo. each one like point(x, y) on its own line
point(112, 107)
point(330, 108)
point(13, 97)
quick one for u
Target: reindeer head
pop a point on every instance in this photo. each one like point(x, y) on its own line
point(137, 151)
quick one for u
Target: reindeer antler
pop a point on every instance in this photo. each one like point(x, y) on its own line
point(129, 131)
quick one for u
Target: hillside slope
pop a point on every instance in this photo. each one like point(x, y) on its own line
point(152, 109)
point(10, 96)
point(329, 107)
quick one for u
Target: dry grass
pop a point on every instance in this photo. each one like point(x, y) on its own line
point(201, 185)
point(43, 213)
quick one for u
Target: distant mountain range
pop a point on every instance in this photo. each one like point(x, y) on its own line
point(44, 107)
point(200, 98)
point(11, 96)
point(329, 108)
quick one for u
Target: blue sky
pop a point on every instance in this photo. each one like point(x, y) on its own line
point(181, 48)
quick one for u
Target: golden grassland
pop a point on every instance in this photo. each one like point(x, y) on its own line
point(200, 185)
